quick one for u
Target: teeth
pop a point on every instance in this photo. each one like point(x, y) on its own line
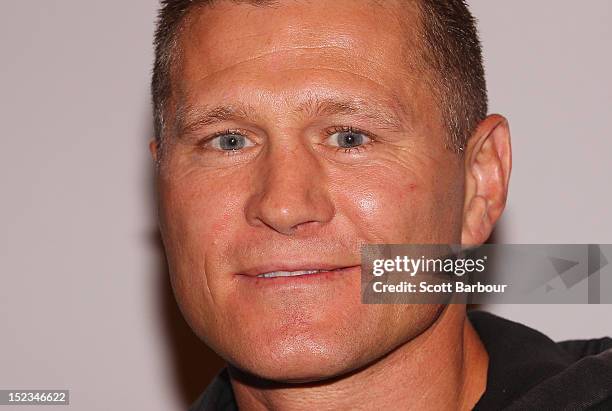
point(287, 273)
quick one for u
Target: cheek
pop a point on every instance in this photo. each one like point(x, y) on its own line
point(198, 219)
point(379, 207)
point(395, 205)
point(198, 211)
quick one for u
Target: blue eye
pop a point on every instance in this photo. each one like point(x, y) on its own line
point(348, 139)
point(231, 142)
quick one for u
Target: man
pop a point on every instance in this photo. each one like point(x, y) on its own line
point(290, 133)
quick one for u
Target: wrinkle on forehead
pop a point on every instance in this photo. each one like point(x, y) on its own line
point(367, 28)
point(315, 55)
point(358, 44)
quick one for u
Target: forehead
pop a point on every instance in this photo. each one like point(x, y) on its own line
point(224, 44)
point(228, 31)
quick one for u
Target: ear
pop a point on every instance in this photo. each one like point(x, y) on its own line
point(488, 162)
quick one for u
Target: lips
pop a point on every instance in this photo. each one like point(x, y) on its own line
point(275, 274)
point(292, 270)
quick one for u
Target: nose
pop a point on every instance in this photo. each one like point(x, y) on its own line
point(290, 192)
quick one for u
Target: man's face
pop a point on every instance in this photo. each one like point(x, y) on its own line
point(302, 131)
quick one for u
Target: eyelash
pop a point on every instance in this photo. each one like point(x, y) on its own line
point(202, 143)
point(329, 132)
point(349, 129)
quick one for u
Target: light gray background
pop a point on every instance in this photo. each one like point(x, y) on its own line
point(84, 302)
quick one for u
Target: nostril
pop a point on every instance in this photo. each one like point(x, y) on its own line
point(289, 215)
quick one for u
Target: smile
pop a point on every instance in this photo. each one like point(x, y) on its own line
point(299, 273)
point(274, 274)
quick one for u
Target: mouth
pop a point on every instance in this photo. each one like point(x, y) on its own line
point(295, 271)
point(299, 273)
point(292, 277)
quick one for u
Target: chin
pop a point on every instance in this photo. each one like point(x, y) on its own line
point(299, 360)
point(325, 352)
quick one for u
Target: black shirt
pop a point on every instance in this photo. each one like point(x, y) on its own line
point(527, 371)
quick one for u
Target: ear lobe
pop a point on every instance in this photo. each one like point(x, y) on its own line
point(154, 149)
point(488, 163)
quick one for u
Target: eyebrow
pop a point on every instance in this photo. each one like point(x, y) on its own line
point(190, 119)
point(380, 114)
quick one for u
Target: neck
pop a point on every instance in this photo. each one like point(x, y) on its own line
point(444, 368)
